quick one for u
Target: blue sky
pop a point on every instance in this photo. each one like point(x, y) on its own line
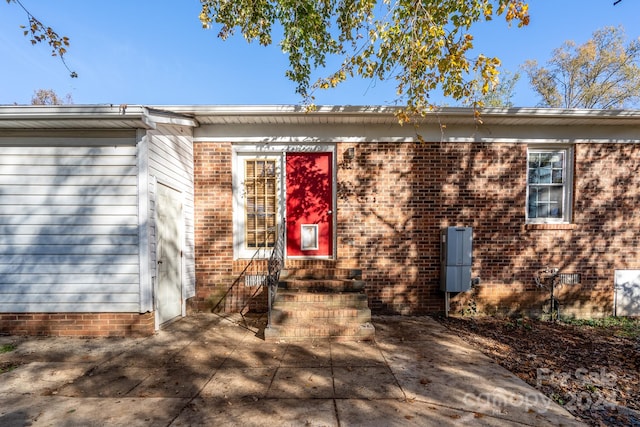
point(155, 52)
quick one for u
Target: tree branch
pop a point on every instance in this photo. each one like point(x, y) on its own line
point(41, 33)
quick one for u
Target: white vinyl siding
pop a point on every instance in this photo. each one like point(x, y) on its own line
point(69, 228)
point(171, 163)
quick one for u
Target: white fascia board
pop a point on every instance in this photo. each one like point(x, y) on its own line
point(454, 133)
point(52, 112)
point(72, 117)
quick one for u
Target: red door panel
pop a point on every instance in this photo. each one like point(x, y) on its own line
point(309, 204)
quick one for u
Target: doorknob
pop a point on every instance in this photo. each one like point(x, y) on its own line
point(329, 212)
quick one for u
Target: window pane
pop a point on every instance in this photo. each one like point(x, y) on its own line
point(544, 175)
point(270, 169)
point(558, 160)
point(543, 202)
point(543, 194)
point(545, 160)
point(533, 176)
point(557, 176)
point(555, 202)
point(533, 204)
point(534, 160)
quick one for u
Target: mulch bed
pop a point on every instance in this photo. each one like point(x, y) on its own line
point(594, 372)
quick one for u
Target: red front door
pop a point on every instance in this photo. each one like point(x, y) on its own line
point(309, 204)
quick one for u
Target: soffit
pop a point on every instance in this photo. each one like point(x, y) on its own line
point(371, 115)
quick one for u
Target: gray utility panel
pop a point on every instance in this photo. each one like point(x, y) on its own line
point(455, 259)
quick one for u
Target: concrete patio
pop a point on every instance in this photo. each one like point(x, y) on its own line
point(208, 369)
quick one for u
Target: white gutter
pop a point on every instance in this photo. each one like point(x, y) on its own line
point(91, 116)
point(42, 112)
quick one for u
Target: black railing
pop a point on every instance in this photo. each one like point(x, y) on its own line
point(275, 265)
point(261, 271)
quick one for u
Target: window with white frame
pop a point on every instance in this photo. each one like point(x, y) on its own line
point(549, 184)
point(257, 203)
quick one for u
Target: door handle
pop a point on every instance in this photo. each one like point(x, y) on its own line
point(329, 212)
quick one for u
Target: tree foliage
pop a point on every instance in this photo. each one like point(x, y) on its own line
point(41, 33)
point(500, 95)
point(422, 44)
point(602, 73)
point(49, 97)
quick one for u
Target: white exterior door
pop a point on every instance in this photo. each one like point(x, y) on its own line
point(169, 254)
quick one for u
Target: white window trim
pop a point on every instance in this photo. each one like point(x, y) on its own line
point(567, 202)
point(239, 249)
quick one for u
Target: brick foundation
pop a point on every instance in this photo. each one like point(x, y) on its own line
point(576, 301)
point(78, 324)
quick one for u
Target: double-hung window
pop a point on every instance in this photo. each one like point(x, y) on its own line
point(549, 185)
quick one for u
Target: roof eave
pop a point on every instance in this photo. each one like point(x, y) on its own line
point(453, 115)
point(74, 117)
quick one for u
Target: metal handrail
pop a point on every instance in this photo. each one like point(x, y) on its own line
point(274, 266)
point(255, 268)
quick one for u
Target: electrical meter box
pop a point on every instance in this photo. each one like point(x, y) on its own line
point(456, 249)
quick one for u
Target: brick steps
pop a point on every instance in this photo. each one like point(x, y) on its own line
point(320, 304)
point(329, 285)
point(288, 315)
point(321, 273)
point(327, 299)
point(303, 332)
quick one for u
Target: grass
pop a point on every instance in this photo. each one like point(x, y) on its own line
point(6, 348)
point(7, 368)
point(628, 327)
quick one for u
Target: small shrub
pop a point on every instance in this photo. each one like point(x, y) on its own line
point(628, 327)
point(470, 309)
point(518, 323)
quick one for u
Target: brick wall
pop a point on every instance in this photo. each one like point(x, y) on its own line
point(603, 236)
point(393, 199)
point(217, 285)
point(78, 324)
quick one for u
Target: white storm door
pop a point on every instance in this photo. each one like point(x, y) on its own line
point(169, 253)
